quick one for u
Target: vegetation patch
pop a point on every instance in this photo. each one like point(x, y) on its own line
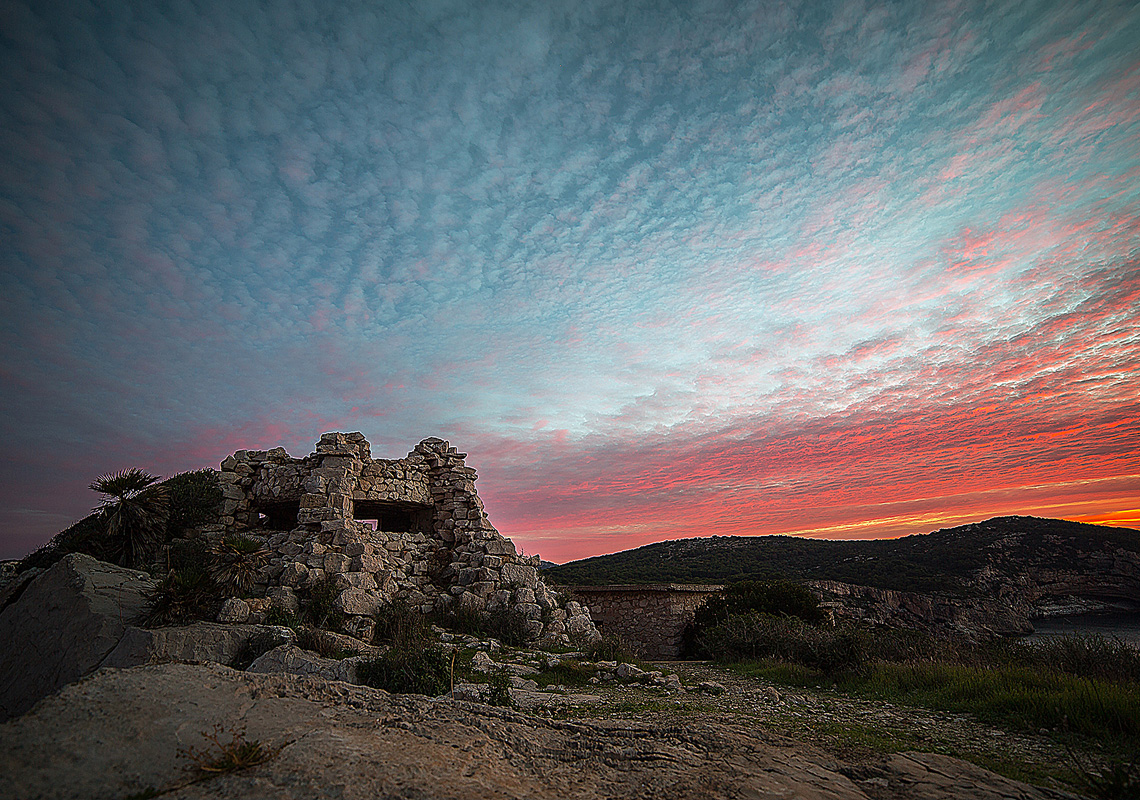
point(227, 750)
point(611, 647)
point(138, 514)
point(566, 673)
point(831, 650)
point(318, 605)
point(235, 562)
point(194, 500)
point(183, 595)
point(505, 624)
point(402, 625)
point(423, 670)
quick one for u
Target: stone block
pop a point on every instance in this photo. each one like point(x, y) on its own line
point(516, 575)
point(200, 641)
point(358, 601)
point(62, 625)
point(482, 588)
point(284, 598)
point(313, 501)
point(500, 547)
point(367, 563)
point(294, 574)
point(356, 580)
point(529, 610)
point(234, 610)
point(337, 562)
point(471, 603)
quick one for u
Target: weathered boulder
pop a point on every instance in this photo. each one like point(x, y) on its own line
point(63, 625)
point(200, 641)
point(294, 661)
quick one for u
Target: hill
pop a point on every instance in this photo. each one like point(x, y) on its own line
point(948, 560)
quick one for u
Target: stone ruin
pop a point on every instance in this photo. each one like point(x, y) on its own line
point(411, 529)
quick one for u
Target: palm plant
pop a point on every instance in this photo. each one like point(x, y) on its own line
point(134, 510)
point(236, 561)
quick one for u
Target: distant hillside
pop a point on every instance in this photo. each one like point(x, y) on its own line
point(943, 561)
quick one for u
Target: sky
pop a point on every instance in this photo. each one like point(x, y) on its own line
point(661, 269)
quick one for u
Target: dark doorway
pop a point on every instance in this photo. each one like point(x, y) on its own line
point(279, 515)
point(393, 517)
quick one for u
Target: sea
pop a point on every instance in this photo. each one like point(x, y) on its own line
point(1121, 624)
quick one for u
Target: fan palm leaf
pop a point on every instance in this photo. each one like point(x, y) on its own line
point(134, 510)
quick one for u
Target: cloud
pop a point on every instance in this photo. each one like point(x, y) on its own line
point(748, 223)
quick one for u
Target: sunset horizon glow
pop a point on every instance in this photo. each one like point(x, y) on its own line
point(846, 270)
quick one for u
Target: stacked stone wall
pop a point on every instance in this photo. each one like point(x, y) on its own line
point(651, 620)
point(458, 561)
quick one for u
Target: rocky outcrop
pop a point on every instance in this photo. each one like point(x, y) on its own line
point(76, 617)
point(976, 617)
point(201, 641)
point(121, 732)
point(62, 626)
point(295, 661)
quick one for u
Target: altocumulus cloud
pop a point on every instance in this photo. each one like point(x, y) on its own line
point(630, 257)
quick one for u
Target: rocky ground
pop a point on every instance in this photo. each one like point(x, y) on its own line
point(100, 708)
point(850, 728)
point(126, 733)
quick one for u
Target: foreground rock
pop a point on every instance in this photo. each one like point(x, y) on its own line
point(62, 625)
point(120, 731)
point(76, 617)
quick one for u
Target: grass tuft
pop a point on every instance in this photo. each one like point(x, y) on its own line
point(222, 756)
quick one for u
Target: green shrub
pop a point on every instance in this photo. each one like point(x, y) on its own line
point(317, 605)
point(755, 636)
point(183, 595)
point(505, 624)
point(567, 673)
point(192, 553)
point(424, 670)
point(508, 625)
point(276, 615)
point(194, 500)
point(610, 648)
point(402, 625)
point(1087, 656)
point(499, 689)
point(775, 598)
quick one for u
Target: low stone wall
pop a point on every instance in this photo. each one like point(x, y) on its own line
point(650, 619)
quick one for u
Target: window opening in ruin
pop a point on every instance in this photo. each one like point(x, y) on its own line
point(280, 515)
point(393, 517)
